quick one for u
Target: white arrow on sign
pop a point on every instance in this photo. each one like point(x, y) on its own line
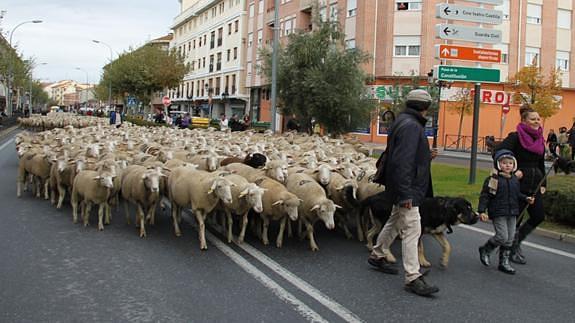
point(473, 14)
point(471, 34)
point(493, 2)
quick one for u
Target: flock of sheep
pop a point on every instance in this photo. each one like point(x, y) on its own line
point(302, 178)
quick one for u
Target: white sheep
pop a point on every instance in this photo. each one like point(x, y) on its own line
point(315, 205)
point(343, 192)
point(141, 186)
point(278, 205)
point(200, 190)
point(91, 187)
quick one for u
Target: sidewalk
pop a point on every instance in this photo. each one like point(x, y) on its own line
point(6, 131)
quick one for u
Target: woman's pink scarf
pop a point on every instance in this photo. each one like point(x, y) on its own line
point(530, 139)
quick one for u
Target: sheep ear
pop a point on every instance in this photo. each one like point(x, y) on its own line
point(339, 188)
point(211, 190)
point(97, 177)
point(278, 202)
point(337, 206)
point(244, 193)
point(314, 207)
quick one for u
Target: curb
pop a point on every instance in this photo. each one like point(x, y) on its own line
point(565, 237)
point(5, 132)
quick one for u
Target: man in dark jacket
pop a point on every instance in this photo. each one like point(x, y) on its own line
point(408, 182)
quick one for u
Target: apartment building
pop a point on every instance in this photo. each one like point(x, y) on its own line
point(65, 92)
point(210, 35)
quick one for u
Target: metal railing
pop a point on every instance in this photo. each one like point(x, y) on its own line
point(463, 143)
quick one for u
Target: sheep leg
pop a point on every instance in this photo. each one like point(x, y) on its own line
point(266, 224)
point(126, 209)
point(312, 243)
point(290, 233)
point(142, 220)
point(74, 202)
point(38, 187)
point(101, 209)
point(87, 209)
point(175, 216)
point(280, 238)
point(46, 189)
point(244, 226)
point(200, 217)
point(108, 213)
point(61, 196)
point(230, 223)
point(359, 226)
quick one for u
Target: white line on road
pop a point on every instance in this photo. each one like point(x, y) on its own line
point(6, 144)
point(334, 306)
point(530, 244)
point(279, 291)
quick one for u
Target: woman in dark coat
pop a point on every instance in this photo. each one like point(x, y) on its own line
point(528, 146)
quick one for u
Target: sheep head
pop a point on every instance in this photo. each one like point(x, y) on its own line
point(105, 179)
point(221, 188)
point(151, 179)
point(325, 211)
point(253, 194)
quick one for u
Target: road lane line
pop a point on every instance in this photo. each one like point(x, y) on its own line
point(6, 144)
point(275, 288)
point(526, 243)
point(325, 300)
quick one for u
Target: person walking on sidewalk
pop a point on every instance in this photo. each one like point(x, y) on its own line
point(408, 182)
point(528, 147)
point(501, 196)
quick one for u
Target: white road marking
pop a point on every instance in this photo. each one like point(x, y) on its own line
point(6, 144)
point(323, 299)
point(334, 306)
point(526, 243)
point(279, 291)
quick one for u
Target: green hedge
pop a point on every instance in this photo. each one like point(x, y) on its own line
point(559, 200)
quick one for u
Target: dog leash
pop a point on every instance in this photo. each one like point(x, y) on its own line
point(522, 214)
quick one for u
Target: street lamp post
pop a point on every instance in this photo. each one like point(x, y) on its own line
point(440, 84)
point(109, 80)
point(9, 81)
point(87, 83)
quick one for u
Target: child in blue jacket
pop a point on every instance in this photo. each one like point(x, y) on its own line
point(500, 196)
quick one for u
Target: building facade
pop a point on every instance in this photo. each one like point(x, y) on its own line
point(210, 35)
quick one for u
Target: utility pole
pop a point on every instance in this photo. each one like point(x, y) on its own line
point(110, 80)
point(275, 63)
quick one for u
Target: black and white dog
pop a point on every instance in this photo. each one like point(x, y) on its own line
point(438, 214)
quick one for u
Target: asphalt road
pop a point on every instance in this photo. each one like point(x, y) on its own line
point(54, 271)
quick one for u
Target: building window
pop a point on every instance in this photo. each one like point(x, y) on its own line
point(413, 5)
point(230, 28)
point(405, 46)
point(260, 37)
point(564, 19)
point(563, 61)
point(533, 14)
point(194, 43)
point(236, 26)
point(220, 36)
point(261, 7)
point(250, 39)
point(323, 14)
point(504, 58)
point(504, 7)
point(235, 53)
point(212, 39)
point(214, 11)
point(351, 8)
point(532, 56)
point(219, 62)
point(333, 12)
point(229, 54)
point(204, 62)
point(211, 69)
point(252, 11)
point(234, 84)
point(350, 43)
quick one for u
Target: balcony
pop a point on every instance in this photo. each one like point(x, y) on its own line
point(305, 5)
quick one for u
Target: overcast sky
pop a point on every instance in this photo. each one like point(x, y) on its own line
point(64, 40)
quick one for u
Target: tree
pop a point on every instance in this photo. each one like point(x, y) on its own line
point(463, 106)
point(319, 79)
point(540, 92)
point(141, 72)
